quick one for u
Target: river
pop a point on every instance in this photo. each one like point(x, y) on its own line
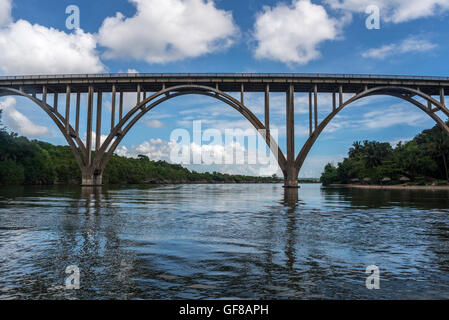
point(223, 242)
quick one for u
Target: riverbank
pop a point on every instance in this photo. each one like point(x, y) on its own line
point(392, 187)
point(161, 182)
point(168, 181)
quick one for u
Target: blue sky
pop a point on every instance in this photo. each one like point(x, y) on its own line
point(229, 36)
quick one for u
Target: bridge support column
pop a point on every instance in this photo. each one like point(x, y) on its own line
point(290, 174)
point(291, 178)
point(89, 179)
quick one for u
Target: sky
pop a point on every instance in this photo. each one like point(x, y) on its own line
point(164, 36)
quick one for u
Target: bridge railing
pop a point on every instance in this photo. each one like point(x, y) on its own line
point(224, 75)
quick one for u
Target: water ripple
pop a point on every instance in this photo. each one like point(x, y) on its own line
point(223, 241)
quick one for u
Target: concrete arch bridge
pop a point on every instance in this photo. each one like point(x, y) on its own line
point(154, 89)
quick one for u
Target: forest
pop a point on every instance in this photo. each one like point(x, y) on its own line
point(420, 161)
point(25, 162)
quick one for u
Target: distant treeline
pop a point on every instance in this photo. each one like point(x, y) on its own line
point(39, 163)
point(420, 161)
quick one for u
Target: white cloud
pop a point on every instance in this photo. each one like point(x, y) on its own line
point(5, 12)
point(103, 138)
point(123, 151)
point(292, 33)
point(168, 30)
point(34, 49)
point(155, 124)
point(408, 45)
point(17, 121)
point(157, 149)
point(396, 141)
point(395, 11)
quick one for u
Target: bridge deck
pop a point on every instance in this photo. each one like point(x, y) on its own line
point(228, 82)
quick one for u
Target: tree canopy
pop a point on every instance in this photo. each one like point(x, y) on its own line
point(422, 160)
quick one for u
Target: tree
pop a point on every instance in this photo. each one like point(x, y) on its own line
point(143, 158)
point(436, 142)
point(11, 173)
point(330, 175)
point(355, 149)
point(371, 152)
point(424, 158)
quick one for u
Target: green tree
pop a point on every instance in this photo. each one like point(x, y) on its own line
point(11, 173)
point(424, 158)
point(436, 143)
point(330, 175)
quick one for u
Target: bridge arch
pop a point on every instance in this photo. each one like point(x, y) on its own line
point(75, 143)
point(92, 172)
point(117, 134)
point(403, 93)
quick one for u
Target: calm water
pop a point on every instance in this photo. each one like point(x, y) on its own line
point(223, 241)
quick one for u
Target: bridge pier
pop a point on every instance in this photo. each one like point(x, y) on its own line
point(290, 173)
point(90, 180)
point(291, 178)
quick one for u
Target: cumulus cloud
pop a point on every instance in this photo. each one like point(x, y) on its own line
point(168, 30)
point(103, 138)
point(5, 12)
point(132, 71)
point(155, 149)
point(211, 155)
point(406, 46)
point(19, 122)
point(292, 33)
point(34, 49)
point(395, 11)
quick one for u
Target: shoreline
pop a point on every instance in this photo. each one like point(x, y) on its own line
point(149, 183)
point(392, 187)
point(159, 183)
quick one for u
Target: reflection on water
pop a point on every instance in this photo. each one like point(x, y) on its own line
point(223, 241)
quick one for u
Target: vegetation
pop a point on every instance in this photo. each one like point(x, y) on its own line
point(421, 161)
point(36, 163)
